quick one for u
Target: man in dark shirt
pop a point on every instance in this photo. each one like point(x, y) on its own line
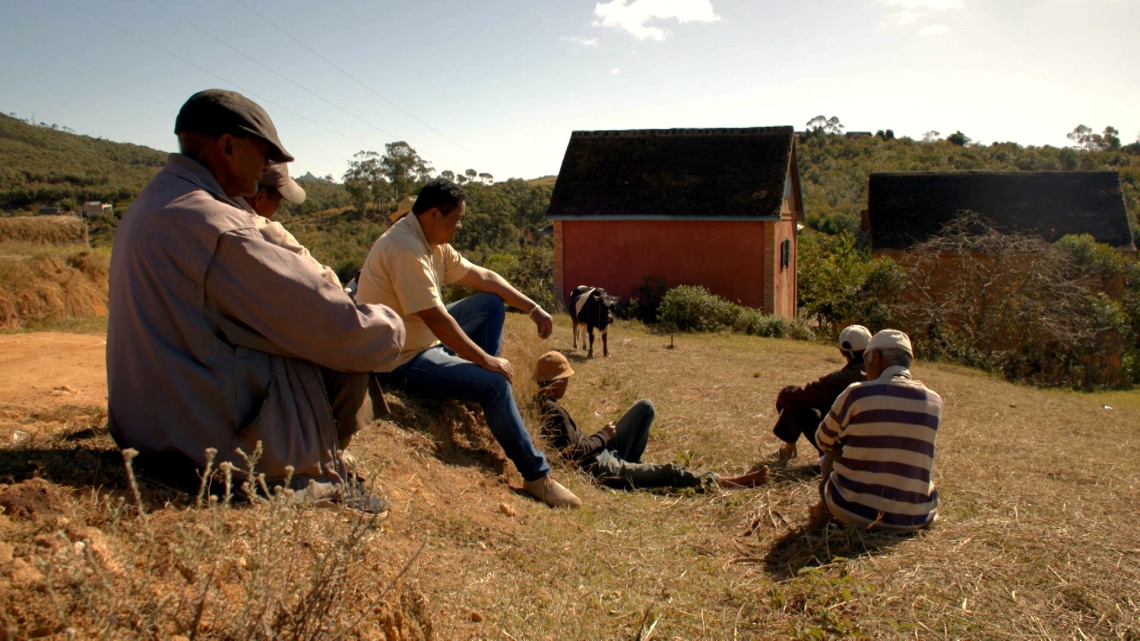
point(613, 454)
point(802, 407)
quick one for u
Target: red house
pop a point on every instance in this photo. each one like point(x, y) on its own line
point(711, 207)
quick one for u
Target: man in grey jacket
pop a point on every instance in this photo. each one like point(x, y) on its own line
point(219, 338)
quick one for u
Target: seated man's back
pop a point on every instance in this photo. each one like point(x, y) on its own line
point(880, 437)
point(217, 337)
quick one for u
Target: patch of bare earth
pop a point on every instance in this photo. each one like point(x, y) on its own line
point(1039, 537)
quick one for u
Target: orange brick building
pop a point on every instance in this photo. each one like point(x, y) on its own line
point(711, 207)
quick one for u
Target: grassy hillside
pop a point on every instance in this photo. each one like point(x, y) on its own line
point(40, 165)
point(1038, 537)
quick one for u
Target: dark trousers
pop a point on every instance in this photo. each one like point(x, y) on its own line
point(348, 396)
point(632, 433)
point(796, 421)
point(620, 465)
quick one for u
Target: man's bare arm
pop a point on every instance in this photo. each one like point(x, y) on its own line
point(485, 280)
point(452, 335)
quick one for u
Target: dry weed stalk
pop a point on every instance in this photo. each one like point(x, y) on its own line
point(270, 566)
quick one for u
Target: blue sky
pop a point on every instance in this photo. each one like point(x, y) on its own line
point(498, 86)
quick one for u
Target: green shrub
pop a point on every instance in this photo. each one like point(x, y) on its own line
point(696, 309)
point(840, 285)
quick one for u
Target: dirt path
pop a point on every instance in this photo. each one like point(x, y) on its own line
point(48, 369)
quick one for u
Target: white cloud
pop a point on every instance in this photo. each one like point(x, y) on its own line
point(634, 16)
point(905, 17)
point(615, 71)
point(585, 42)
point(933, 30)
point(925, 5)
point(911, 10)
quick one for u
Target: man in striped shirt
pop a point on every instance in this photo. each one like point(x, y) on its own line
point(878, 441)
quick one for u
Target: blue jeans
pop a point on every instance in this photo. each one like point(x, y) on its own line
point(438, 372)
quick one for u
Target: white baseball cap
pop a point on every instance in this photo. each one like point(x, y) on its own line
point(854, 338)
point(890, 339)
point(277, 177)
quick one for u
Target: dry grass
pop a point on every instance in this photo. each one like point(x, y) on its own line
point(43, 230)
point(40, 286)
point(1039, 538)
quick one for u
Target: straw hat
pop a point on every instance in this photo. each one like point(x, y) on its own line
point(552, 366)
point(403, 209)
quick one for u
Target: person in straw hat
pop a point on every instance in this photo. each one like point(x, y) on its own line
point(801, 407)
point(878, 440)
point(613, 453)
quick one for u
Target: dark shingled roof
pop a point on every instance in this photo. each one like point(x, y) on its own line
point(692, 173)
point(906, 209)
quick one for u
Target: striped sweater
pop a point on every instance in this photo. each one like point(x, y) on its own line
point(882, 433)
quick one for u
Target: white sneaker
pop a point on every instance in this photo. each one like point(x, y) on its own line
point(551, 492)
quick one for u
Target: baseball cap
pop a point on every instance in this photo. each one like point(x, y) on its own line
point(552, 366)
point(854, 338)
point(890, 339)
point(217, 111)
point(403, 209)
point(277, 177)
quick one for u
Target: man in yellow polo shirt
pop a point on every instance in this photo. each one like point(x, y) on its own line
point(453, 351)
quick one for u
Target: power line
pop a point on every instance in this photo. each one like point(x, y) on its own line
point(357, 81)
point(211, 73)
point(271, 70)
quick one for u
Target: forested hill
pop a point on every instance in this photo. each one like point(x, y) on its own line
point(43, 165)
point(835, 171)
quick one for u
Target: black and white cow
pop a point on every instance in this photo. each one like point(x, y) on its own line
point(593, 308)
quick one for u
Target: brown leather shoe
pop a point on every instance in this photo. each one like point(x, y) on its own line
point(786, 453)
point(551, 492)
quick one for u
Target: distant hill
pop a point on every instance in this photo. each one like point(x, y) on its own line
point(547, 181)
point(41, 165)
point(310, 178)
point(835, 171)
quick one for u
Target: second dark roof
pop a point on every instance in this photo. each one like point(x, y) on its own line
point(730, 173)
point(906, 209)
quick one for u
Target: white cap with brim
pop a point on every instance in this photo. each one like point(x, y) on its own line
point(890, 339)
point(854, 338)
point(277, 177)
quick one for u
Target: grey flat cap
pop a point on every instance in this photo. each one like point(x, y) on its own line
point(217, 111)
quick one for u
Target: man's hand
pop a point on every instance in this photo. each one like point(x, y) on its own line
point(499, 366)
point(610, 430)
point(542, 321)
